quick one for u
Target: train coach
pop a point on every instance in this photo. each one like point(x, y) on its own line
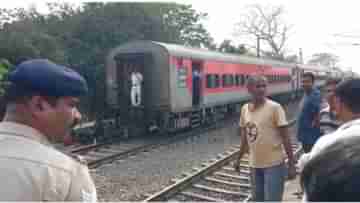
point(185, 87)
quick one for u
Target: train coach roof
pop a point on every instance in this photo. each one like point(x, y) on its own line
point(200, 54)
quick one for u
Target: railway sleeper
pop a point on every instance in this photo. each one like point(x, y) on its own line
point(98, 154)
point(199, 197)
point(224, 195)
point(235, 184)
point(223, 186)
point(236, 177)
point(218, 190)
point(104, 150)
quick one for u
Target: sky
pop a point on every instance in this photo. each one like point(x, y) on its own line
point(317, 25)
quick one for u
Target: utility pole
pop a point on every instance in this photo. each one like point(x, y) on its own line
point(301, 56)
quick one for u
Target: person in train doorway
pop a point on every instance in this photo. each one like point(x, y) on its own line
point(136, 83)
point(264, 134)
point(196, 82)
point(41, 102)
point(309, 111)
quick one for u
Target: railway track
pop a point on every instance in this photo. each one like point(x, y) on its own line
point(98, 154)
point(214, 181)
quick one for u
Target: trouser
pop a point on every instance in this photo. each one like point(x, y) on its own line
point(136, 96)
point(268, 183)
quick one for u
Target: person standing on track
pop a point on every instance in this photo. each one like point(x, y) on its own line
point(264, 133)
point(41, 107)
point(308, 121)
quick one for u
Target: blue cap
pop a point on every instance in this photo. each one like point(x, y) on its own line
point(48, 78)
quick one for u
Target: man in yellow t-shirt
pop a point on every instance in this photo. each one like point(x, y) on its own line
point(263, 127)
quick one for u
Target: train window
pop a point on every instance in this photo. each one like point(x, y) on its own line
point(212, 81)
point(228, 80)
point(246, 78)
point(242, 80)
point(231, 80)
point(237, 80)
point(217, 81)
point(208, 81)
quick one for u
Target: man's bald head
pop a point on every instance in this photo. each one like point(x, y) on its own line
point(253, 80)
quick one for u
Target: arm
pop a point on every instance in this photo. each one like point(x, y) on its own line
point(284, 133)
point(282, 125)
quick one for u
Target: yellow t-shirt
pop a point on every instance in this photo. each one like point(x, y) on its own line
point(262, 132)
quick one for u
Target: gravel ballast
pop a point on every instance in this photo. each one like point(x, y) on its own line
point(134, 178)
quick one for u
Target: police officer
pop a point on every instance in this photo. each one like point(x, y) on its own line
point(41, 107)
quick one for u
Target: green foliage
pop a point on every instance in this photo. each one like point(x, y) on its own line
point(227, 47)
point(82, 36)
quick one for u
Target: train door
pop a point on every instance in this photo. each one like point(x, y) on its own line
point(196, 82)
point(131, 88)
point(131, 76)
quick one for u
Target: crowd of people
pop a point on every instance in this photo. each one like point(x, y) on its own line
point(41, 108)
point(327, 128)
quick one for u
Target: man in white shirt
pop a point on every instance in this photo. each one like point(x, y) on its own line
point(136, 81)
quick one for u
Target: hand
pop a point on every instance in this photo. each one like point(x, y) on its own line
point(316, 122)
point(237, 166)
point(291, 171)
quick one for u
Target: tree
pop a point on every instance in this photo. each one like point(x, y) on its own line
point(227, 47)
point(324, 59)
point(292, 58)
point(81, 37)
point(267, 25)
point(184, 23)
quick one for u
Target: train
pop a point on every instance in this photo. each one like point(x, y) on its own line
point(185, 87)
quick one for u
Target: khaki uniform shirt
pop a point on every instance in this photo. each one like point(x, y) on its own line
point(32, 170)
point(262, 133)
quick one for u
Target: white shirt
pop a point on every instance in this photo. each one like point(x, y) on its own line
point(136, 79)
point(349, 129)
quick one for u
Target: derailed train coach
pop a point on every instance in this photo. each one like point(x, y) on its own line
point(185, 87)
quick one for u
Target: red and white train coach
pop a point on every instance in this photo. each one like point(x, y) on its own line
point(184, 87)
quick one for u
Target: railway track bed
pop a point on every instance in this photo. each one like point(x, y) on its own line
point(97, 154)
point(214, 181)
